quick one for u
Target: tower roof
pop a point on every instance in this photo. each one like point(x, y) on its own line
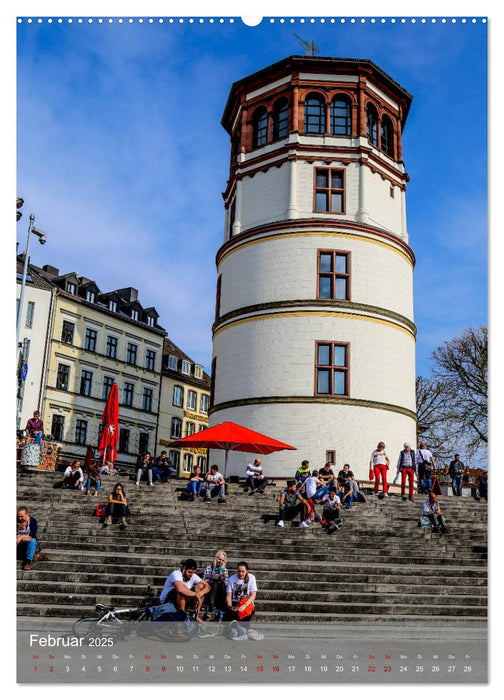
point(323, 64)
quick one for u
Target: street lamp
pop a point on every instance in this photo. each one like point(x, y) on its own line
point(42, 239)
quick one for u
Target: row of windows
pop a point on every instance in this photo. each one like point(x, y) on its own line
point(82, 429)
point(90, 296)
point(185, 366)
point(111, 346)
point(192, 398)
point(188, 464)
point(190, 428)
point(315, 121)
point(86, 387)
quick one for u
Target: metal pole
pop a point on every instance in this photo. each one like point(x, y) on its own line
point(23, 281)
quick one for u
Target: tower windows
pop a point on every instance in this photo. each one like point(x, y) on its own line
point(260, 122)
point(333, 274)
point(341, 117)
point(332, 368)
point(280, 119)
point(329, 191)
point(372, 125)
point(314, 115)
point(387, 137)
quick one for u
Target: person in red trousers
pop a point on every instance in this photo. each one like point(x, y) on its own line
point(380, 464)
point(406, 464)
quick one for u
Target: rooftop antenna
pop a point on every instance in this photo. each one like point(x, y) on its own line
point(309, 47)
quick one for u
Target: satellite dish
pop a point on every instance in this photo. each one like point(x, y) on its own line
point(309, 47)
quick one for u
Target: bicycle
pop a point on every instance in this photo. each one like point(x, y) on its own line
point(109, 622)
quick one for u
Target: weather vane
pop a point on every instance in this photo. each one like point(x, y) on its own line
point(309, 47)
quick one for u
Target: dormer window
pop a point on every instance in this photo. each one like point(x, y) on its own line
point(172, 362)
point(112, 305)
point(186, 367)
point(90, 296)
point(70, 287)
point(150, 321)
point(198, 371)
point(134, 314)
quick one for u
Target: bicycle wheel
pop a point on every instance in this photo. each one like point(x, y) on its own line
point(92, 627)
point(175, 631)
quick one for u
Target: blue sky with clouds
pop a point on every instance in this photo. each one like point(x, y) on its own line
point(122, 158)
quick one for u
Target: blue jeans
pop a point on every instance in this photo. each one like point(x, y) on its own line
point(194, 487)
point(90, 482)
point(30, 548)
point(321, 492)
point(457, 485)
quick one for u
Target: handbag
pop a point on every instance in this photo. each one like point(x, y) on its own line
point(249, 609)
point(101, 509)
point(371, 473)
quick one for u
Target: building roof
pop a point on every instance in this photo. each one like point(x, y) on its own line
point(33, 279)
point(169, 348)
point(126, 297)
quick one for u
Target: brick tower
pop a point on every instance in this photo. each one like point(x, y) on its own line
point(314, 340)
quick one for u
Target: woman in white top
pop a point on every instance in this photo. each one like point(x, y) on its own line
point(241, 592)
point(380, 463)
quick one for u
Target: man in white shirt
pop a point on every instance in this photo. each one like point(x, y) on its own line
point(426, 463)
point(215, 482)
point(255, 478)
point(184, 584)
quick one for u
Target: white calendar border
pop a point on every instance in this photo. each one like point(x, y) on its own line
point(276, 8)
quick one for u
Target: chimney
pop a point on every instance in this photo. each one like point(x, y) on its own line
point(51, 270)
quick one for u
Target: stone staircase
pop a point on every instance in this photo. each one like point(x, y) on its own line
point(379, 567)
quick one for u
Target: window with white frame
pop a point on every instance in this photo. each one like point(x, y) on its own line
point(204, 400)
point(186, 367)
point(176, 428)
point(191, 400)
point(172, 362)
point(178, 396)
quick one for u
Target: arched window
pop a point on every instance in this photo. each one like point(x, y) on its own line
point(341, 116)
point(372, 125)
point(314, 115)
point(260, 127)
point(280, 119)
point(387, 137)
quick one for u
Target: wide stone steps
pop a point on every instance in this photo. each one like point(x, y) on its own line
point(342, 584)
point(378, 567)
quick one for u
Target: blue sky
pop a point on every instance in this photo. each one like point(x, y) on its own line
point(122, 158)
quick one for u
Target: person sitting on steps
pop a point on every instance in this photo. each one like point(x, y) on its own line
point(195, 484)
point(331, 510)
point(26, 537)
point(117, 506)
point(291, 504)
point(216, 575)
point(93, 479)
point(432, 510)
point(255, 478)
point(144, 466)
point(215, 482)
point(73, 478)
point(183, 589)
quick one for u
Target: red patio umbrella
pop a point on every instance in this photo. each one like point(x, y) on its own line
point(110, 431)
point(231, 436)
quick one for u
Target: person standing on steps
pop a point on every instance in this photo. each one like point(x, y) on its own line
point(456, 471)
point(380, 464)
point(144, 466)
point(426, 463)
point(406, 465)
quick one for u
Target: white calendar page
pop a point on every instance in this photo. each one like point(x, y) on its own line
point(111, 81)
